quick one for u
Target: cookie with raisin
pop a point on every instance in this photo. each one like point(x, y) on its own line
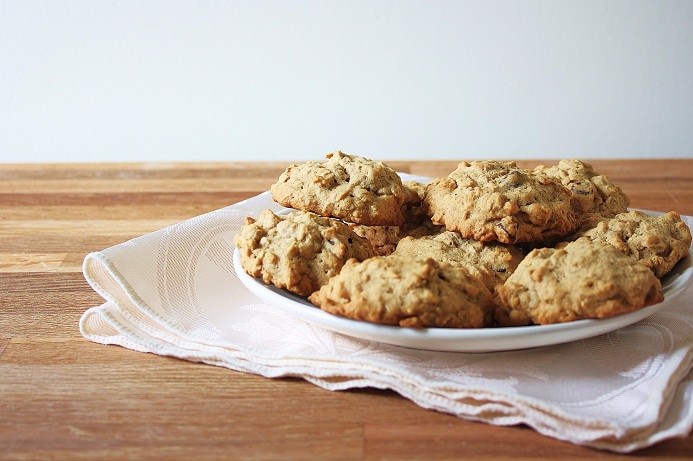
point(490, 262)
point(417, 293)
point(299, 251)
point(349, 187)
point(591, 192)
point(491, 200)
point(583, 280)
point(658, 242)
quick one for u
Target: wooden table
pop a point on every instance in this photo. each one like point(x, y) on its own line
point(63, 397)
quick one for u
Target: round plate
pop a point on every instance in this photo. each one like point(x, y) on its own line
point(465, 339)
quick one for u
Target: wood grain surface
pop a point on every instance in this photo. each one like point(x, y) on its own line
point(63, 397)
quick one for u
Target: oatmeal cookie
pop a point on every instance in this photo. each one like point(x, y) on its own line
point(583, 280)
point(489, 200)
point(298, 252)
point(408, 292)
point(591, 191)
point(415, 191)
point(348, 187)
point(490, 262)
point(658, 242)
point(384, 238)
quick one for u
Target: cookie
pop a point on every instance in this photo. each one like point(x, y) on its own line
point(490, 262)
point(490, 200)
point(583, 280)
point(415, 191)
point(591, 191)
point(408, 292)
point(299, 251)
point(385, 238)
point(658, 242)
point(348, 187)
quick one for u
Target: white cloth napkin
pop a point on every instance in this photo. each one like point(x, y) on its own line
point(174, 292)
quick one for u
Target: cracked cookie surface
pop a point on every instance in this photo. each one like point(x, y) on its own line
point(489, 200)
point(591, 192)
point(299, 251)
point(583, 280)
point(658, 242)
point(352, 188)
point(491, 262)
point(418, 293)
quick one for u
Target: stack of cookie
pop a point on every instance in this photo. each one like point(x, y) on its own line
point(490, 245)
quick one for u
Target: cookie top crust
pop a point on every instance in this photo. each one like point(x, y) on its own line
point(299, 251)
point(490, 200)
point(490, 262)
point(384, 238)
point(348, 187)
point(591, 191)
point(408, 292)
point(583, 280)
point(658, 242)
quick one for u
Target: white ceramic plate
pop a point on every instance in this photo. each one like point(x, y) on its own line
point(466, 339)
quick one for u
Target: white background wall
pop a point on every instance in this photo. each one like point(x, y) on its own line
point(150, 80)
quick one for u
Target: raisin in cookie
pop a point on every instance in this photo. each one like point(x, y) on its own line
point(490, 262)
point(583, 280)
point(658, 242)
point(592, 192)
point(299, 251)
point(408, 292)
point(348, 187)
point(489, 200)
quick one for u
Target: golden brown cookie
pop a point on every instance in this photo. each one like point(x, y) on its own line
point(583, 280)
point(299, 251)
point(658, 242)
point(489, 200)
point(592, 192)
point(490, 262)
point(415, 191)
point(384, 238)
point(407, 292)
point(348, 187)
